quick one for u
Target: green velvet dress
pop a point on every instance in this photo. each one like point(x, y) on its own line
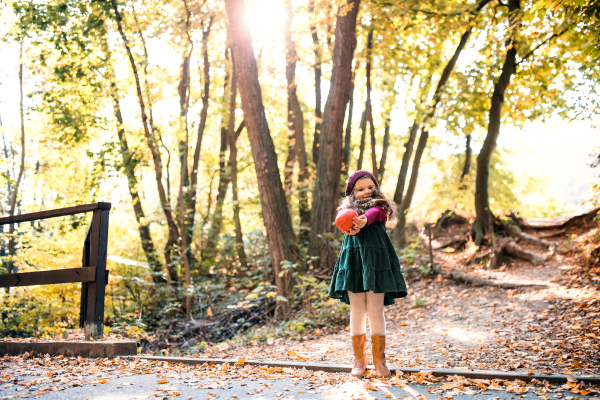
point(368, 262)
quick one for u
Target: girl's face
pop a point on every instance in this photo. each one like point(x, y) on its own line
point(364, 188)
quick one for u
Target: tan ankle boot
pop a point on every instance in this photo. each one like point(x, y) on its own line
point(381, 369)
point(359, 343)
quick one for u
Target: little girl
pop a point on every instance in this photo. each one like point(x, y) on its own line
point(367, 272)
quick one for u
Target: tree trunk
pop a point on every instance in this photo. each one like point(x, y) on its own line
point(369, 106)
point(348, 135)
point(317, 51)
point(191, 207)
point(233, 136)
point(468, 157)
point(156, 157)
point(295, 121)
point(184, 181)
point(483, 225)
point(15, 192)
point(327, 181)
point(363, 137)
point(276, 217)
point(399, 233)
point(129, 165)
point(386, 145)
point(209, 249)
point(408, 146)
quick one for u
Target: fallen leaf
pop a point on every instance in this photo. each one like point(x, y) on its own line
point(162, 381)
point(292, 353)
point(241, 361)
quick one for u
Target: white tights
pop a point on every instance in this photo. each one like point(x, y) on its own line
point(363, 304)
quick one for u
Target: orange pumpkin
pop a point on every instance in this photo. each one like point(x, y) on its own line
point(344, 219)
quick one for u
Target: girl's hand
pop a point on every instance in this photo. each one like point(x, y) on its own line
point(360, 222)
point(352, 231)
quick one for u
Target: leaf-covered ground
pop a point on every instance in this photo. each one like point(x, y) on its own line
point(551, 326)
point(73, 378)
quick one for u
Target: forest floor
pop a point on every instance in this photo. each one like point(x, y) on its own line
point(549, 325)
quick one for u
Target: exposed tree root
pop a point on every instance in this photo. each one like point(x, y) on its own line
point(454, 243)
point(548, 235)
point(577, 221)
point(508, 246)
point(477, 282)
point(529, 238)
point(448, 218)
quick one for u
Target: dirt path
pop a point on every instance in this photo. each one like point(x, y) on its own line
point(554, 327)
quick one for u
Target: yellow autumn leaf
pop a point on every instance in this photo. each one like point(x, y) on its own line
point(292, 353)
point(162, 381)
point(209, 312)
point(241, 361)
point(49, 374)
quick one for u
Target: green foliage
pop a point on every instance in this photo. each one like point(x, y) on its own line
point(508, 191)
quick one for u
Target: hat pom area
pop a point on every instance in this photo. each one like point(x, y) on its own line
point(361, 173)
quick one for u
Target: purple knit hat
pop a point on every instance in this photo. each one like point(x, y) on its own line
point(361, 173)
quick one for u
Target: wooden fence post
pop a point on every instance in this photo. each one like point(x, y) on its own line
point(94, 296)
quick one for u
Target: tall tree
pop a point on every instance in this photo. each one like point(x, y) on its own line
point(369, 105)
point(317, 51)
point(229, 88)
point(233, 136)
point(174, 236)
point(348, 134)
point(129, 163)
point(15, 191)
point(191, 205)
point(326, 190)
point(295, 117)
point(468, 157)
point(276, 217)
point(483, 224)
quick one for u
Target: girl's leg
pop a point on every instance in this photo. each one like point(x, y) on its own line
point(358, 330)
point(377, 322)
point(375, 312)
point(358, 313)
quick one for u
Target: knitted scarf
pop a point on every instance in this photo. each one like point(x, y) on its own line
point(361, 206)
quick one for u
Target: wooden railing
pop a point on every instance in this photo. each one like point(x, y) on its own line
point(93, 274)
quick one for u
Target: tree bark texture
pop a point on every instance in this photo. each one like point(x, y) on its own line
point(317, 52)
point(156, 157)
point(399, 233)
point(483, 224)
point(209, 249)
point(276, 217)
point(233, 136)
point(295, 122)
point(327, 181)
